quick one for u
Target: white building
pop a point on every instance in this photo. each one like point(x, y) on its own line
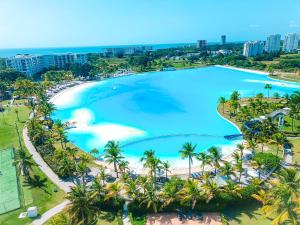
point(31, 64)
point(273, 43)
point(290, 43)
point(253, 48)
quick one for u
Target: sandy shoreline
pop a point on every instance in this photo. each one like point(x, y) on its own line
point(244, 70)
point(181, 169)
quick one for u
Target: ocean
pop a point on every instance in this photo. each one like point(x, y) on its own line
point(89, 49)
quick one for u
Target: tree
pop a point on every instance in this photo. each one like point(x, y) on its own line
point(113, 154)
point(113, 191)
point(188, 151)
point(149, 196)
point(23, 162)
point(222, 101)
point(268, 87)
point(190, 193)
point(81, 208)
point(204, 159)
point(94, 152)
point(17, 113)
point(169, 194)
point(166, 167)
point(227, 170)
point(279, 139)
point(215, 156)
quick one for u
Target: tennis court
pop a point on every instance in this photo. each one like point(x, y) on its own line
point(9, 195)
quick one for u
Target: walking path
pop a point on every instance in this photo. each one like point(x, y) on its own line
point(51, 212)
point(125, 216)
point(64, 185)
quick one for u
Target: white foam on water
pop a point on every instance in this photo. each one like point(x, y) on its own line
point(274, 83)
point(103, 132)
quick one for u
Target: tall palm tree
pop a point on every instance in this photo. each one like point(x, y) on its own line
point(94, 152)
point(23, 162)
point(268, 87)
point(215, 156)
point(241, 148)
point(210, 189)
point(222, 101)
point(204, 159)
point(97, 188)
point(81, 208)
point(113, 154)
point(166, 167)
point(232, 188)
point(188, 151)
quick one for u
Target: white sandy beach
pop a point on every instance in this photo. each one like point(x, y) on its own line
point(244, 70)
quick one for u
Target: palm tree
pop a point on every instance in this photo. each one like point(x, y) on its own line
point(204, 159)
point(232, 189)
point(241, 148)
point(149, 197)
point(239, 169)
point(227, 170)
point(81, 208)
point(94, 152)
point(190, 193)
point(23, 162)
point(215, 156)
point(210, 189)
point(97, 188)
point(268, 87)
point(222, 101)
point(113, 191)
point(123, 166)
point(113, 154)
point(169, 194)
point(166, 167)
point(279, 139)
point(17, 113)
point(188, 151)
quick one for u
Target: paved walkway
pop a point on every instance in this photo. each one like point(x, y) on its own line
point(125, 215)
point(64, 185)
point(51, 212)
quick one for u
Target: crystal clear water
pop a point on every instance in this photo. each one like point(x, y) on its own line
point(159, 110)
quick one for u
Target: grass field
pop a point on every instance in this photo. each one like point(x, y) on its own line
point(9, 194)
point(40, 191)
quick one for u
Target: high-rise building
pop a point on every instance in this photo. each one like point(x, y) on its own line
point(273, 43)
point(31, 64)
point(290, 42)
point(201, 44)
point(253, 48)
point(223, 39)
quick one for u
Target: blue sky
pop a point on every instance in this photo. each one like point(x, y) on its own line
point(55, 23)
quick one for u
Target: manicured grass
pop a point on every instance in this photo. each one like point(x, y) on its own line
point(247, 215)
point(138, 220)
point(288, 124)
point(40, 191)
point(296, 149)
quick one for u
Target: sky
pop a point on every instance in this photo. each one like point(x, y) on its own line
point(64, 23)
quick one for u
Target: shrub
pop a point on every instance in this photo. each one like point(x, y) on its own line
point(269, 160)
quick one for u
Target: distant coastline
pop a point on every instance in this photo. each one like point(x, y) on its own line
point(88, 49)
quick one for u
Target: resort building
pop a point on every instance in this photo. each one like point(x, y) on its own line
point(201, 44)
point(121, 51)
point(290, 42)
point(273, 43)
point(223, 39)
point(253, 48)
point(32, 64)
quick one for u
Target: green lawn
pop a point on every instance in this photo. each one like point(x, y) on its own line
point(247, 215)
point(40, 192)
point(296, 149)
point(288, 124)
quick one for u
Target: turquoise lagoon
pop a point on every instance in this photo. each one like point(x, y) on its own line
point(159, 110)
